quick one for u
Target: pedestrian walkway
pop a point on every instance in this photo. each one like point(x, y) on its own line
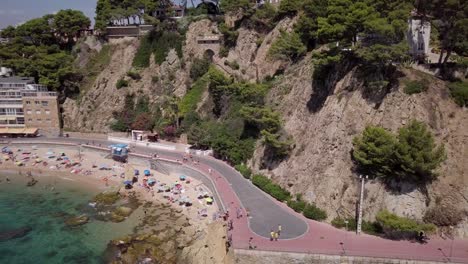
point(298, 234)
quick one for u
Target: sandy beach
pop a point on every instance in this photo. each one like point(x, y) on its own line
point(95, 169)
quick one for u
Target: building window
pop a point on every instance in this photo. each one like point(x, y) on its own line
point(47, 112)
point(38, 112)
point(48, 120)
point(29, 112)
point(28, 102)
point(45, 103)
point(39, 120)
point(20, 120)
point(29, 119)
point(37, 102)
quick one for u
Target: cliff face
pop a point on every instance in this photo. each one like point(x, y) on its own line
point(321, 124)
point(320, 165)
point(93, 111)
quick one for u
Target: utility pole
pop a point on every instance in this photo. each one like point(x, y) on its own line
point(361, 198)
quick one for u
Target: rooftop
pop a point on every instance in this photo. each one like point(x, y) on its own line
point(17, 79)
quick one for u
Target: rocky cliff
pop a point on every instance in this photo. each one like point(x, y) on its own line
point(321, 124)
point(93, 111)
point(320, 166)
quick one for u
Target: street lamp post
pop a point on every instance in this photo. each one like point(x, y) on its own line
point(451, 243)
point(361, 198)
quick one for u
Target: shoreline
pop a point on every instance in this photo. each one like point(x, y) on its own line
point(94, 180)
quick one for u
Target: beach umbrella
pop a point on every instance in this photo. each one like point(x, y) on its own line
point(19, 163)
point(151, 180)
point(38, 160)
point(50, 153)
point(127, 182)
point(147, 172)
point(182, 177)
point(209, 200)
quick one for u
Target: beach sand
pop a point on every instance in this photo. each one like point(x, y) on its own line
point(89, 174)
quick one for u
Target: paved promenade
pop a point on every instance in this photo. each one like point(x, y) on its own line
point(299, 234)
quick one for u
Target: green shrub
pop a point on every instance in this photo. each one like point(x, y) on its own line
point(269, 187)
point(121, 83)
point(223, 52)
point(134, 75)
point(193, 96)
point(287, 47)
point(417, 155)
point(413, 87)
point(297, 205)
point(313, 212)
point(154, 79)
point(289, 8)
point(391, 222)
point(372, 228)
point(244, 170)
point(459, 93)
point(411, 156)
point(340, 223)
point(374, 150)
point(143, 54)
point(232, 64)
point(165, 41)
point(199, 67)
point(118, 125)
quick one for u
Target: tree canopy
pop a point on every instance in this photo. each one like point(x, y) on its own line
point(451, 20)
point(41, 48)
point(412, 155)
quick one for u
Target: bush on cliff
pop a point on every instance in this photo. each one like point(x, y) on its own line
point(459, 93)
point(269, 187)
point(411, 156)
point(392, 223)
point(313, 212)
point(244, 170)
point(288, 46)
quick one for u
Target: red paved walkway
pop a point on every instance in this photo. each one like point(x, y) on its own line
point(325, 239)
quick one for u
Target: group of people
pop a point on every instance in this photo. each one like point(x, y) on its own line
point(274, 235)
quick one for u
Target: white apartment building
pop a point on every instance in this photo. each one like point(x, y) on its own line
point(25, 104)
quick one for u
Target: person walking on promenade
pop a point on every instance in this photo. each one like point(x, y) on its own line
point(251, 246)
point(272, 235)
point(279, 230)
point(275, 234)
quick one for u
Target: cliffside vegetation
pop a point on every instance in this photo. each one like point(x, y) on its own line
point(121, 12)
point(410, 156)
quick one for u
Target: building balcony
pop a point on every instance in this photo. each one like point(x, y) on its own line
point(39, 94)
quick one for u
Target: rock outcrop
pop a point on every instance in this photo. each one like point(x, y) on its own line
point(320, 166)
point(93, 112)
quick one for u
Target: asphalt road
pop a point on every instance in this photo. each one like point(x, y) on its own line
point(265, 213)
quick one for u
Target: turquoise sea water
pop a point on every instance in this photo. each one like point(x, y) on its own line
point(44, 209)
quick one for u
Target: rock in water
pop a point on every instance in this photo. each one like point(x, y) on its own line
point(77, 221)
point(15, 233)
point(32, 182)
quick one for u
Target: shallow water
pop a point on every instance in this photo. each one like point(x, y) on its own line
point(45, 209)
